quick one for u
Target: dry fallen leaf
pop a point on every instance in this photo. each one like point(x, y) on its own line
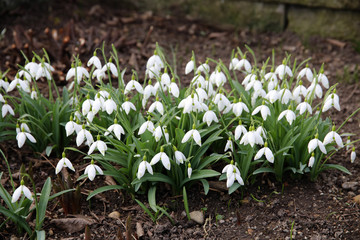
point(72, 225)
point(356, 199)
point(139, 230)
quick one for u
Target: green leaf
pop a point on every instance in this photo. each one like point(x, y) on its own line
point(186, 204)
point(152, 198)
point(157, 177)
point(206, 186)
point(43, 202)
point(103, 189)
point(18, 220)
point(146, 210)
point(40, 235)
point(48, 150)
point(166, 213)
point(60, 193)
point(201, 174)
point(263, 170)
point(336, 166)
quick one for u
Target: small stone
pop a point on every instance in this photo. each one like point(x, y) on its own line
point(189, 231)
point(197, 216)
point(351, 194)
point(350, 185)
point(13, 237)
point(114, 214)
point(249, 218)
point(221, 221)
point(51, 232)
point(183, 214)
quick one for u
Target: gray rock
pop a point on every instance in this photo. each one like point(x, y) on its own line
point(197, 216)
point(350, 185)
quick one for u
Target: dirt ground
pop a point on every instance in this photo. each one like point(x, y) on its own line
point(300, 209)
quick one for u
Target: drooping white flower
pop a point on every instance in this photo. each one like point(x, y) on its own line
point(317, 88)
point(263, 109)
point(333, 136)
point(311, 160)
point(252, 137)
point(205, 68)
point(332, 101)
point(222, 101)
point(33, 94)
point(154, 60)
point(110, 105)
point(158, 106)
point(233, 63)
point(17, 82)
point(194, 134)
point(111, 67)
point(289, 115)
point(44, 70)
point(5, 109)
point(92, 169)
point(268, 153)
point(159, 132)
point(94, 60)
point(285, 95)
point(283, 70)
point(99, 74)
point(21, 189)
point(83, 135)
point(306, 72)
point(148, 125)
point(133, 84)
point(273, 95)
point(22, 126)
point(189, 170)
point(163, 157)
point(191, 104)
point(353, 155)
point(272, 80)
point(165, 80)
point(303, 107)
point(323, 80)
point(256, 94)
point(232, 174)
point(229, 145)
point(179, 156)
point(72, 126)
point(255, 84)
point(199, 80)
point(261, 131)
point(217, 77)
point(99, 145)
point(22, 136)
point(174, 89)
point(78, 73)
point(239, 107)
point(31, 68)
point(209, 117)
point(201, 93)
point(239, 130)
point(149, 90)
point(249, 78)
point(314, 143)
point(116, 128)
point(98, 103)
point(300, 90)
point(144, 165)
point(64, 162)
point(189, 66)
point(243, 63)
point(4, 84)
point(127, 106)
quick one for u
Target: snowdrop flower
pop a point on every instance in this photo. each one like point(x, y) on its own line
point(99, 145)
point(273, 95)
point(148, 125)
point(311, 160)
point(268, 153)
point(217, 77)
point(86, 105)
point(22, 136)
point(323, 79)
point(90, 117)
point(285, 95)
point(21, 189)
point(303, 107)
point(163, 157)
point(17, 82)
point(174, 89)
point(353, 155)
point(189, 170)
point(26, 74)
point(189, 66)
point(44, 70)
point(179, 156)
point(252, 137)
point(77, 72)
point(209, 117)
point(289, 115)
point(22, 126)
point(255, 84)
point(333, 137)
point(72, 126)
point(199, 80)
point(31, 68)
point(158, 106)
point(64, 162)
point(222, 101)
point(127, 106)
point(92, 169)
point(144, 165)
point(94, 60)
point(155, 60)
point(233, 63)
point(260, 130)
point(5, 109)
point(229, 145)
point(83, 135)
point(33, 94)
point(232, 174)
point(259, 93)
point(99, 74)
point(158, 133)
point(300, 90)
point(249, 78)
point(314, 143)
point(2, 98)
point(332, 101)
point(149, 90)
point(243, 63)
point(133, 84)
point(165, 80)
point(194, 134)
point(283, 70)
point(272, 80)
point(4, 84)
point(191, 104)
point(205, 68)
point(110, 105)
point(98, 103)
point(239, 107)
point(111, 67)
point(116, 128)
point(201, 93)
point(317, 88)
point(306, 72)
point(239, 130)
point(263, 109)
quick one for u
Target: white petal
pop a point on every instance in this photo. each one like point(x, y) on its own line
point(17, 193)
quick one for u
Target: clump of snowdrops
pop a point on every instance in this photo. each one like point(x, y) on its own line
point(149, 130)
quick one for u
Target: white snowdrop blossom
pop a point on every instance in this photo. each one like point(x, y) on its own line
point(99, 74)
point(165, 80)
point(239, 130)
point(149, 90)
point(272, 80)
point(133, 84)
point(179, 156)
point(194, 134)
point(233, 63)
point(260, 130)
point(143, 166)
point(189, 170)
point(263, 109)
point(189, 66)
point(158, 106)
point(306, 72)
point(311, 160)
point(252, 137)
point(17, 82)
point(99, 145)
point(174, 89)
point(92, 169)
point(249, 78)
point(205, 68)
point(255, 84)
point(22, 189)
point(31, 69)
point(86, 106)
point(285, 95)
point(83, 135)
point(300, 90)
point(159, 132)
point(333, 136)
point(199, 80)
point(116, 128)
point(64, 162)
point(111, 67)
point(256, 94)
point(72, 126)
point(33, 94)
point(148, 125)
point(303, 107)
point(209, 117)
point(78, 73)
point(163, 157)
point(317, 88)
point(22, 136)
point(4, 84)
point(229, 145)
point(353, 155)
point(283, 70)
point(44, 70)
point(98, 104)
point(332, 101)
point(110, 105)
point(217, 77)
point(5, 109)
point(191, 104)
point(243, 63)
point(127, 106)
point(239, 107)
point(22, 126)
point(273, 95)
point(94, 60)
point(201, 93)
point(222, 101)
point(232, 174)
point(314, 143)
point(288, 114)
point(268, 153)
point(323, 80)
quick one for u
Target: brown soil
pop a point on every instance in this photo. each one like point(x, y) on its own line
point(267, 210)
